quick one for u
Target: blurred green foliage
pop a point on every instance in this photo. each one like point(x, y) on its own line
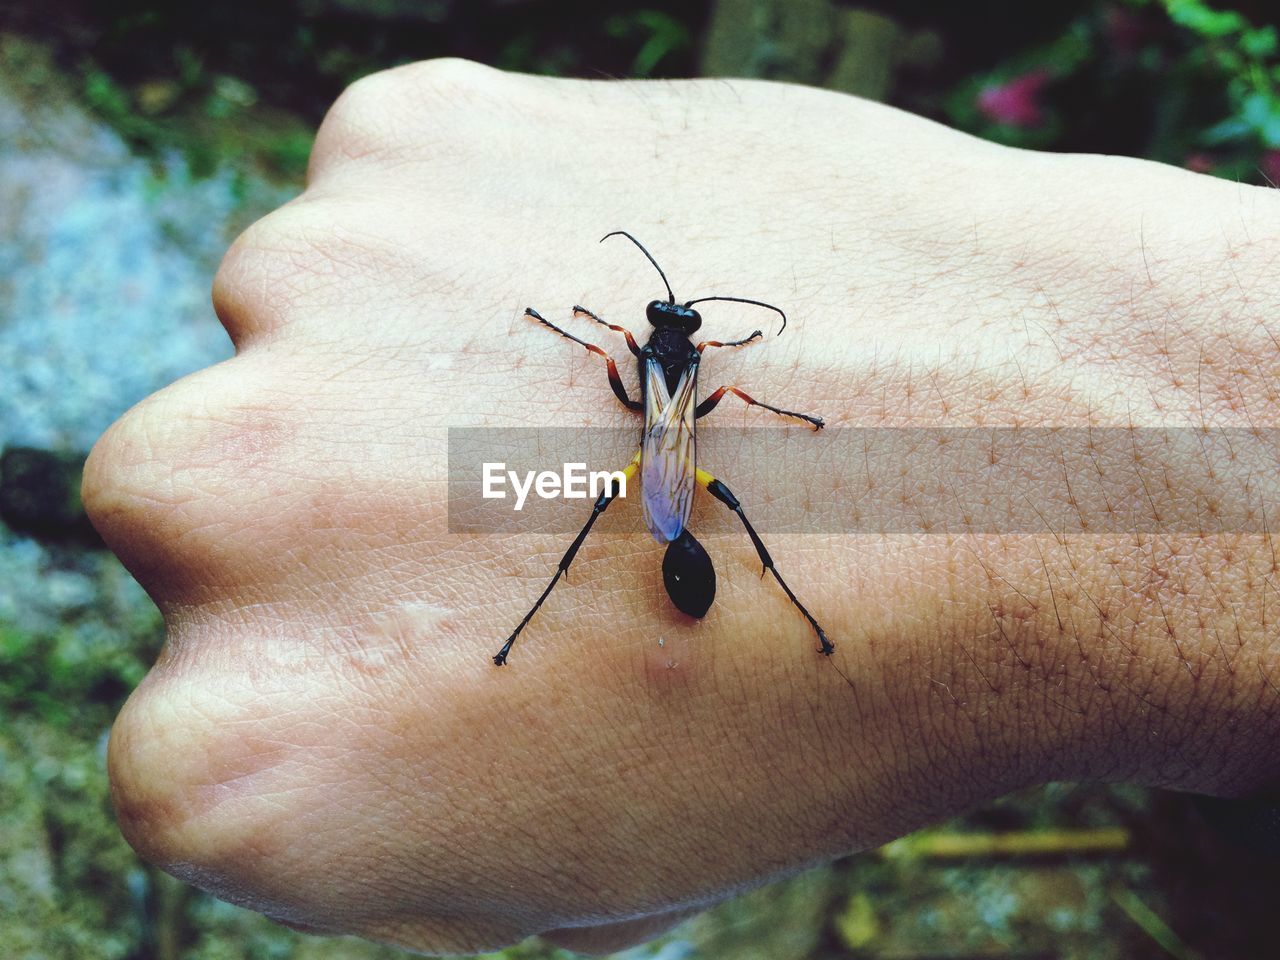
point(205, 116)
point(243, 82)
point(75, 676)
point(1176, 80)
point(1242, 57)
point(1180, 81)
point(72, 678)
point(66, 871)
point(660, 36)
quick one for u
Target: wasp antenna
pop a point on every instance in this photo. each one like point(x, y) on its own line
point(671, 297)
point(758, 303)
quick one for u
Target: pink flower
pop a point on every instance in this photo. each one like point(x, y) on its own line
point(1198, 162)
point(1015, 102)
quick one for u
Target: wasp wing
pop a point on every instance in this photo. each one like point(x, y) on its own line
point(667, 451)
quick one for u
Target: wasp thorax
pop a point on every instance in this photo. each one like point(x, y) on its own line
point(663, 313)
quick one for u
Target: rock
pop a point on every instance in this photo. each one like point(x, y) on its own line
point(40, 495)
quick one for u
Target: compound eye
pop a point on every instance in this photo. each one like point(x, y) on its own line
point(692, 320)
point(658, 313)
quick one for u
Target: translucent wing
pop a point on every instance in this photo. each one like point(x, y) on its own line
point(667, 451)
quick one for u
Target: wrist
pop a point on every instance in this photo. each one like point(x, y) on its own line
point(1140, 653)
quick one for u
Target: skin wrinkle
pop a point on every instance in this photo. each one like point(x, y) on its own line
point(968, 285)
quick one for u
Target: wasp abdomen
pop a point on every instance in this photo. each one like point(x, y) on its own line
point(689, 575)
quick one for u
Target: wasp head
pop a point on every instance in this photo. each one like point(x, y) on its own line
point(663, 313)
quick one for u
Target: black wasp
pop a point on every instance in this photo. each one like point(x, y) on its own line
point(666, 460)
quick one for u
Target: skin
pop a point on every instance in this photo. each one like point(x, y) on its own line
point(324, 737)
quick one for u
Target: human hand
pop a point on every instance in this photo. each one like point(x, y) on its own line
point(325, 738)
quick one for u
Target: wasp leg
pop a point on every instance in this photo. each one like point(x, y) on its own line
point(756, 335)
point(725, 496)
point(615, 379)
point(606, 497)
point(631, 340)
point(709, 404)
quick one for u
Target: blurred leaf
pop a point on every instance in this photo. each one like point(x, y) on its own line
point(1153, 924)
point(661, 35)
point(104, 95)
point(857, 924)
point(1231, 130)
point(1204, 20)
point(190, 66)
point(1262, 113)
point(1260, 43)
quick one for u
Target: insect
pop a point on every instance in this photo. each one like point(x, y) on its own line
point(669, 363)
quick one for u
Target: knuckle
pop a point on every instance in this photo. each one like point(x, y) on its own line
point(148, 744)
point(403, 92)
point(445, 75)
point(220, 777)
point(382, 114)
point(160, 485)
point(299, 261)
point(188, 794)
point(248, 293)
point(357, 125)
point(128, 487)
